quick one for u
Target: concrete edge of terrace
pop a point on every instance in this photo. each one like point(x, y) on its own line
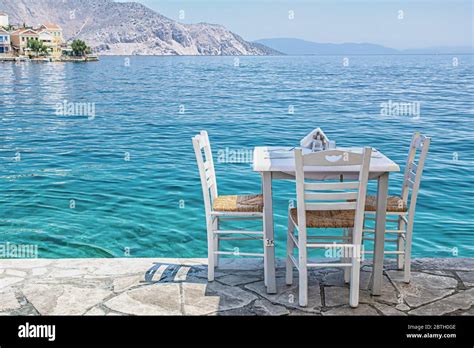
point(178, 286)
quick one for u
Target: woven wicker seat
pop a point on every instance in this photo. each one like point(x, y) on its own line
point(394, 204)
point(326, 218)
point(244, 203)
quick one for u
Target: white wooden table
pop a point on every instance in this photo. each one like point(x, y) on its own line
point(276, 163)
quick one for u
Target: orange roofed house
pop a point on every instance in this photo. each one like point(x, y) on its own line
point(20, 38)
point(52, 36)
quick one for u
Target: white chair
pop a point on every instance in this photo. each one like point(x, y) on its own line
point(219, 208)
point(328, 209)
point(401, 209)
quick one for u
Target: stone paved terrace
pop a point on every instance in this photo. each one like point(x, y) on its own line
point(179, 287)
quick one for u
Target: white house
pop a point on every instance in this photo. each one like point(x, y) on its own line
point(5, 44)
point(46, 38)
point(3, 19)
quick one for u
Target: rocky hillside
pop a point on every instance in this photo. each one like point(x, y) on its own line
point(126, 28)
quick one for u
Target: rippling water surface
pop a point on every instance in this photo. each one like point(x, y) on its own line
point(126, 182)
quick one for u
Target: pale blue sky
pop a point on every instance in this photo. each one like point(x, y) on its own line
point(426, 23)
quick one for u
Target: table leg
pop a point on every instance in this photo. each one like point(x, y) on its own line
point(269, 249)
point(377, 270)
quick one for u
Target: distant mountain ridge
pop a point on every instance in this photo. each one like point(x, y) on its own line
point(291, 46)
point(128, 28)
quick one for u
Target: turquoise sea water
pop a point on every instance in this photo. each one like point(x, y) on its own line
point(125, 182)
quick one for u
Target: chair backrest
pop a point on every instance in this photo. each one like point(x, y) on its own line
point(414, 169)
point(349, 195)
point(206, 170)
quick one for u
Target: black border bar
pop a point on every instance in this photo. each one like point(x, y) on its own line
point(241, 331)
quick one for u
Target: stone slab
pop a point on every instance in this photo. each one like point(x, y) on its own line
point(63, 299)
point(287, 295)
point(346, 310)
point(8, 301)
point(467, 277)
point(154, 299)
point(423, 288)
point(463, 300)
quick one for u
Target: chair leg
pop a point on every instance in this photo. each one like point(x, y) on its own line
point(347, 270)
point(355, 274)
point(302, 266)
point(216, 242)
point(303, 269)
point(401, 244)
point(303, 284)
point(347, 273)
point(216, 248)
point(290, 246)
point(210, 253)
point(407, 268)
point(265, 255)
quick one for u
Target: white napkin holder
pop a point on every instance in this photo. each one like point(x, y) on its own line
point(309, 141)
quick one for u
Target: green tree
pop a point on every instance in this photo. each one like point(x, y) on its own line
point(80, 48)
point(37, 47)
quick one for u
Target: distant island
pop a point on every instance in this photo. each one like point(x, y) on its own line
point(130, 28)
point(291, 46)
